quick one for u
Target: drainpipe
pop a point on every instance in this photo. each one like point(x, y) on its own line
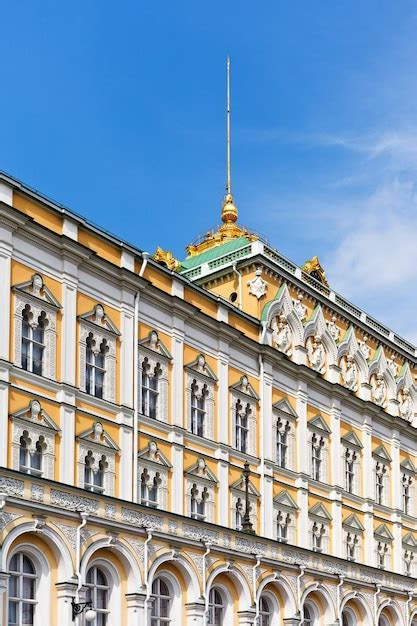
point(236, 271)
point(255, 592)
point(145, 257)
point(299, 577)
point(338, 590)
point(205, 594)
point(376, 594)
point(407, 607)
point(264, 330)
point(3, 498)
point(146, 571)
point(261, 441)
point(84, 518)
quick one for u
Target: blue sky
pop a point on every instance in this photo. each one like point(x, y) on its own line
point(117, 111)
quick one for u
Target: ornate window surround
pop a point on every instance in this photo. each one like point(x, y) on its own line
point(101, 444)
point(283, 411)
point(408, 472)
point(351, 442)
point(101, 327)
point(157, 354)
point(383, 538)
point(36, 422)
point(319, 516)
point(284, 503)
point(409, 547)
point(244, 392)
point(201, 475)
point(36, 294)
point(317, 426)
point(200, 371)
point(353, 530)
point(152, 459)
point(382, 458)
point(237, 490)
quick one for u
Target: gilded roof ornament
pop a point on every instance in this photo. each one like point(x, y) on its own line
point(315, 269)
point(165, 257)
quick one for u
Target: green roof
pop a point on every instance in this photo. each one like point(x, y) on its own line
point(213, 253)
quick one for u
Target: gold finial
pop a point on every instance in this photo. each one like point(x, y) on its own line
point(165, 257)
point(315, 269)
point(229, 210)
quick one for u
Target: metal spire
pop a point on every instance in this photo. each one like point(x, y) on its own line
point(228, 183)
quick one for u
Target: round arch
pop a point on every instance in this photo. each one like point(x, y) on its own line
point(125, 556)
point(186, 569)
point(390, 611)
point(358, 603)
point(321, 594)
point(237, 579)
point(283, 589)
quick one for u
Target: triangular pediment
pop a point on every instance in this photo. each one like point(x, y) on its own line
point(202, 471)
point(318, 510)
point(284, 406)
point(244, 387)
point(352, 439)
point(409, 540)
point(98, 317)
point(383, 532)
point(239, 485)
point(155, 345)
point(200, 366)
point(382, 453)
point(285, 499)
point(317, 422)
point(98, 436)
point(353, 523)
point(35, 415)
point(152, 454)
point(36, 288)
point(408, 466)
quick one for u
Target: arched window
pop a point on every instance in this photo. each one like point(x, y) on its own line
point(406, 482)
point(22, 591)
point(283, 428)
point(95, 367)
point(198, 502)
point(98, 590)
point(94, 478)
point(198, 409)
point(317, 444)
point(215, 608)
point(242, 426)
point(380, 472)
point(150, 391)
point(239, 512)
point(33, 343)
point(283, 523)
point(31, 463)
point(161, 603)
point(149, 489)
point(308, 616)
point(350, 461)
point(264, 612)
point(348, 617)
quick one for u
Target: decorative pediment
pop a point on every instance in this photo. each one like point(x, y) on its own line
point(36, 288)
point(283, 406)
point(239, 485)
point(351, 439)
point(244, 386)
point(352, 523)
point(381, 453)
point(99, 318)
point(200, 366)
point(405, 377)
point(409, 541)
point(318, 423)
point(384, 533)
point(98, 436)
point(201, 471)
point(286, 500)
point(35, 415)
point(408, 466)
point(319, 511)
point(155, 345)
point(152, 454)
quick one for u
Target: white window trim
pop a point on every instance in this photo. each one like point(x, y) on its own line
point(253, 506)
point(154, 462)
point(322, 437)
point(245, 400)
point(202, 477)
point(99, 443)
point(203, 375)
point(160, 360)
point(289, 422)
point(356, 467)
point(115, 587)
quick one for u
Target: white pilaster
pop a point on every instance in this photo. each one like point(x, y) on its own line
point(195, 614)
point(368, 474)
point(136, 614)
point(368, 537)
point(337, 531)
point(65, 594)
point(336, 450)
point(126, 353)
point(177, 386)
point(69, 322)
point(303, 464)
point(302, 516)
point(67, 458)
point(223, 504)
point(5, 290)
point(177, 497)
point(223, 393)
point(396, 493)
point(126, 460)
point(268, 494)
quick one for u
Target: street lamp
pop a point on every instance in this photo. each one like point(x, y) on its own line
point(246, 523)
point(79, 607)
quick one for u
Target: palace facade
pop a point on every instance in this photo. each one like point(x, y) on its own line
point(222, 441)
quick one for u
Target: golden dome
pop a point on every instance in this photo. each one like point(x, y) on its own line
point(229, 210)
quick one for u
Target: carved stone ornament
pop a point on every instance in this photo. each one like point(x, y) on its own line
point(406, 403)
point(316, 354)
point(165, 257)
point(258, 286)
point(299, 307)
point(349, 372)
point(281, 335)
point(392, 366)
point(379, 389)
point(364, 348)
point(334, 330)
